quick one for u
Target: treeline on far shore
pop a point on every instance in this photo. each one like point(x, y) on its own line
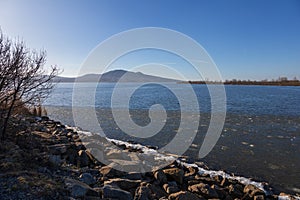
point(279, 82)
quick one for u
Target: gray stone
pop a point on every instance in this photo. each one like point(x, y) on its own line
point(124, 184)
point(204, 189)
point(170, 188)
point(160, 177)
point(87, 178)
point(117, 154)
point(78, 189)
point(110, 172)
point(83, 159)
point(57, 149)
point(142, 193)
point(184, 195)
point(116, 193)
point(133, 176)
point(55, 160)
point(252, 190)
point(175, 174)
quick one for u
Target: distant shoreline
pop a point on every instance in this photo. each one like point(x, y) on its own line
point(263, 83)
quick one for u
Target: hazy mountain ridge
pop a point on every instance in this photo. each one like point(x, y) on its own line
point(115, 76)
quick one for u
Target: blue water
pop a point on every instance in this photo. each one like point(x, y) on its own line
point(254, 100)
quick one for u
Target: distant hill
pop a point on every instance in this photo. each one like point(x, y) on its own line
point(114, 76)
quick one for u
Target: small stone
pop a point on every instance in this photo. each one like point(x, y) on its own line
point(175, 174)
point(55, 160)
point(142, 193)
point(57, 149)
point(160, 176)
point(235, 191)
point(83, 159)
point(124, 184)
point(259, 197)
point(87, 178)
point(170, 187)
point(116, 193)
point(204, 189)
point(110, 172)
point(184, 195)
point(79, 189)
point(133, 176)
point(252, 190)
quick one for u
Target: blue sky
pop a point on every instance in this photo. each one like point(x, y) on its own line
point(250, 39)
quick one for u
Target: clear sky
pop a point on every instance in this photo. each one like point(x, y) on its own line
point(248, 39)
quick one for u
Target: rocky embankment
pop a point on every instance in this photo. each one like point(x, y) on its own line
point(43, 159)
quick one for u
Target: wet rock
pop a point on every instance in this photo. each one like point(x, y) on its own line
point(204, 189)
point(78, 189)
point(174, 174)
point(116, 193)
point(184, 195)
point(87, 178)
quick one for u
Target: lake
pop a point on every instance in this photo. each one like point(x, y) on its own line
point(260, 138)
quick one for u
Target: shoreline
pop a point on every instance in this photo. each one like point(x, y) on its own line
point(57, 152)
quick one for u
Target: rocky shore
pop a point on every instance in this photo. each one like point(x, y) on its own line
point(43, 159)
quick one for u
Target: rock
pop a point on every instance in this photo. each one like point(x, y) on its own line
point(78, 189)
point(175, 174)
point(110, 172)
point(117, 154)
point(225, 182)
point(157, 191)
point(160, 177)
point(83, 159)
point(204, 189)
point(57, 149)
point(171, 187)
point(124, 184)
point(55, 160)
point(184, 195)
point(252, 190)
point(133, 176)
point(142, 193)
point(87, 178)
point(236, 190)
point(126, 165)
point(191, 171)
point(259, 197)
point(116, 193)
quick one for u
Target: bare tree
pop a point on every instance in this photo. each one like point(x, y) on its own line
point(23, 79)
